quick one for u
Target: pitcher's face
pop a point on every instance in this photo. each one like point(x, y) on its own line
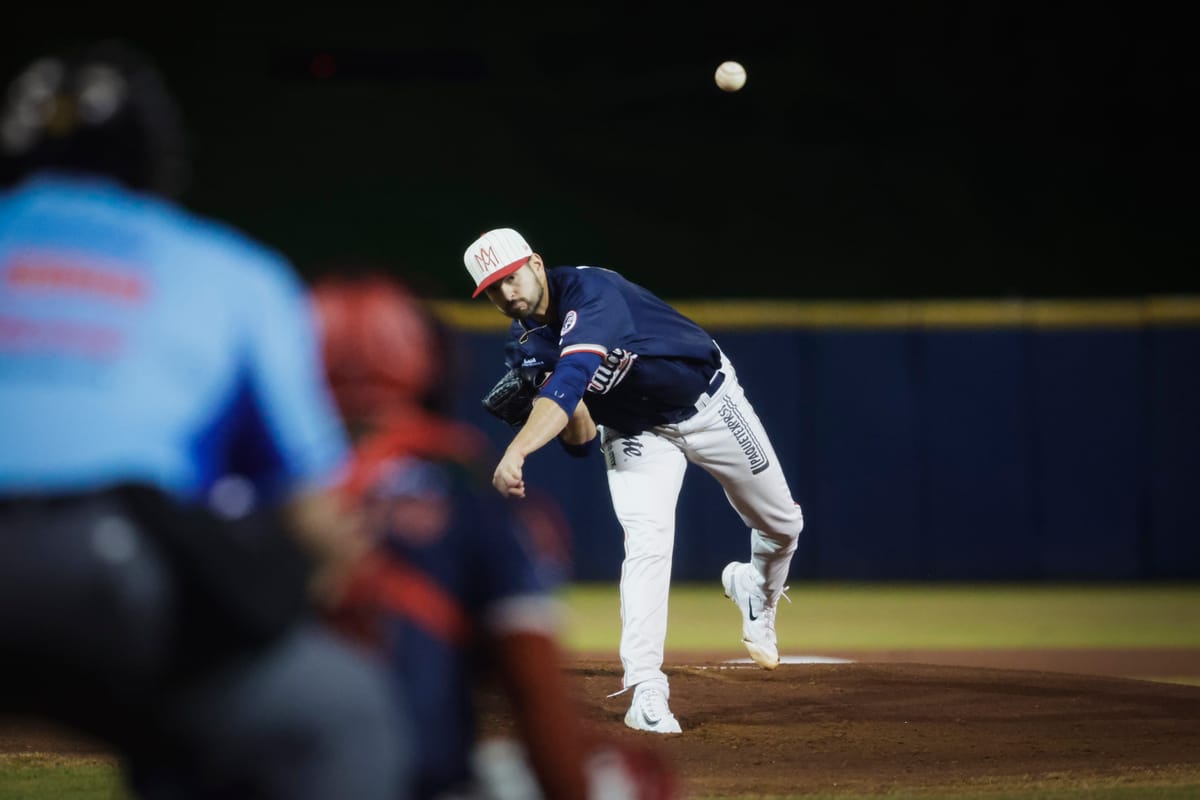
point(521, 294)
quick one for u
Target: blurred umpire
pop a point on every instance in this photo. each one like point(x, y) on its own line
point(167, 444)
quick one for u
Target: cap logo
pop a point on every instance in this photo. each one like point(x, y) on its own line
point(493, 255)
point(486, 259)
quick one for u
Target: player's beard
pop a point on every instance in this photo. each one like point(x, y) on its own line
point(529, 305)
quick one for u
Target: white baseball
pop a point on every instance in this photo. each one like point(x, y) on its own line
point(730, 76)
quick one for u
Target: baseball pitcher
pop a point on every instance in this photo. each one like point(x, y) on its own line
point(612, 361)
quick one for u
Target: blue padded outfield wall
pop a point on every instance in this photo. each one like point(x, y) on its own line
point(930, 441)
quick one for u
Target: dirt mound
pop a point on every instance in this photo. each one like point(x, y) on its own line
point(888, 726)
point(866, 727)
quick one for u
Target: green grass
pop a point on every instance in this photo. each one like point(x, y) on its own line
point(829, 616)
point(45, 777)
point(1188, 792)
point(40, 776)
point(924, 616)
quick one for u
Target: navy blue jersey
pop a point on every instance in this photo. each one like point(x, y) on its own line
point(455, 565)
point(654, 362)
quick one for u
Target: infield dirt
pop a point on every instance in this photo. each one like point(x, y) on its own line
point(883, 725)
point(893, 727)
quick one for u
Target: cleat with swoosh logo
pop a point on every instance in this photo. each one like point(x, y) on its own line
point(743, 586)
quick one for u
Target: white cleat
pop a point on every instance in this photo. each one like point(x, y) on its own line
point(742, 584)
point(650, 712)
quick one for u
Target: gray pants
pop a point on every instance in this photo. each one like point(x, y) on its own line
point(88, 634)
point(303, 718)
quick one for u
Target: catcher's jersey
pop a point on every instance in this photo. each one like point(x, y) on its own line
point(455, 563)
point(655, 362)
point(139, 343)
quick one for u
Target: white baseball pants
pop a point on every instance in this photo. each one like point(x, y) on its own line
point(645, 474)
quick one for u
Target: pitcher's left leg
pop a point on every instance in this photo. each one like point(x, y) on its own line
point(728, 440)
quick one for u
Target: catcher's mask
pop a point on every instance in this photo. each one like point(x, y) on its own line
point(379, 343)
point(103, 109)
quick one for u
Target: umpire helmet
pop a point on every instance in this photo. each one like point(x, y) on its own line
point(103, 109)
point(380, 344)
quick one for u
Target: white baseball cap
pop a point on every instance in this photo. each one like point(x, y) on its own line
point(496, 254)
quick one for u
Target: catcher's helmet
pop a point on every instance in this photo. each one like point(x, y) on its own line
point(380, 345)
point(102, 109)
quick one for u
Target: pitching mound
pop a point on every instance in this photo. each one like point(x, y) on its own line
point(872, 727)
point(876, 727)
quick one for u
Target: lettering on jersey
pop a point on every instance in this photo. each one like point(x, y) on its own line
point(546, 536)
point(486, 259)
point(568, 322)
point(33, 337)
point(412, 498)
point(744, 436)
point(612, 370)
point(49, 272)
point(631, 447)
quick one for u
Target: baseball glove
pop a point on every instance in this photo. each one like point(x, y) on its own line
point(511, 399)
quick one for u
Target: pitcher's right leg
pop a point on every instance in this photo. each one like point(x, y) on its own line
point(645, 473)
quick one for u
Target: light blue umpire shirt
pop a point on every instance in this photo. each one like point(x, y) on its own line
point(142, 343)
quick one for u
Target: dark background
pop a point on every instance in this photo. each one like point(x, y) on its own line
point(928, 151)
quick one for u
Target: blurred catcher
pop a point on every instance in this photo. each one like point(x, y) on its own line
point(456, 591)
point(148, 356)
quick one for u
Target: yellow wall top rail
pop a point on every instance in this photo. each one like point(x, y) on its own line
point(884, 314)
